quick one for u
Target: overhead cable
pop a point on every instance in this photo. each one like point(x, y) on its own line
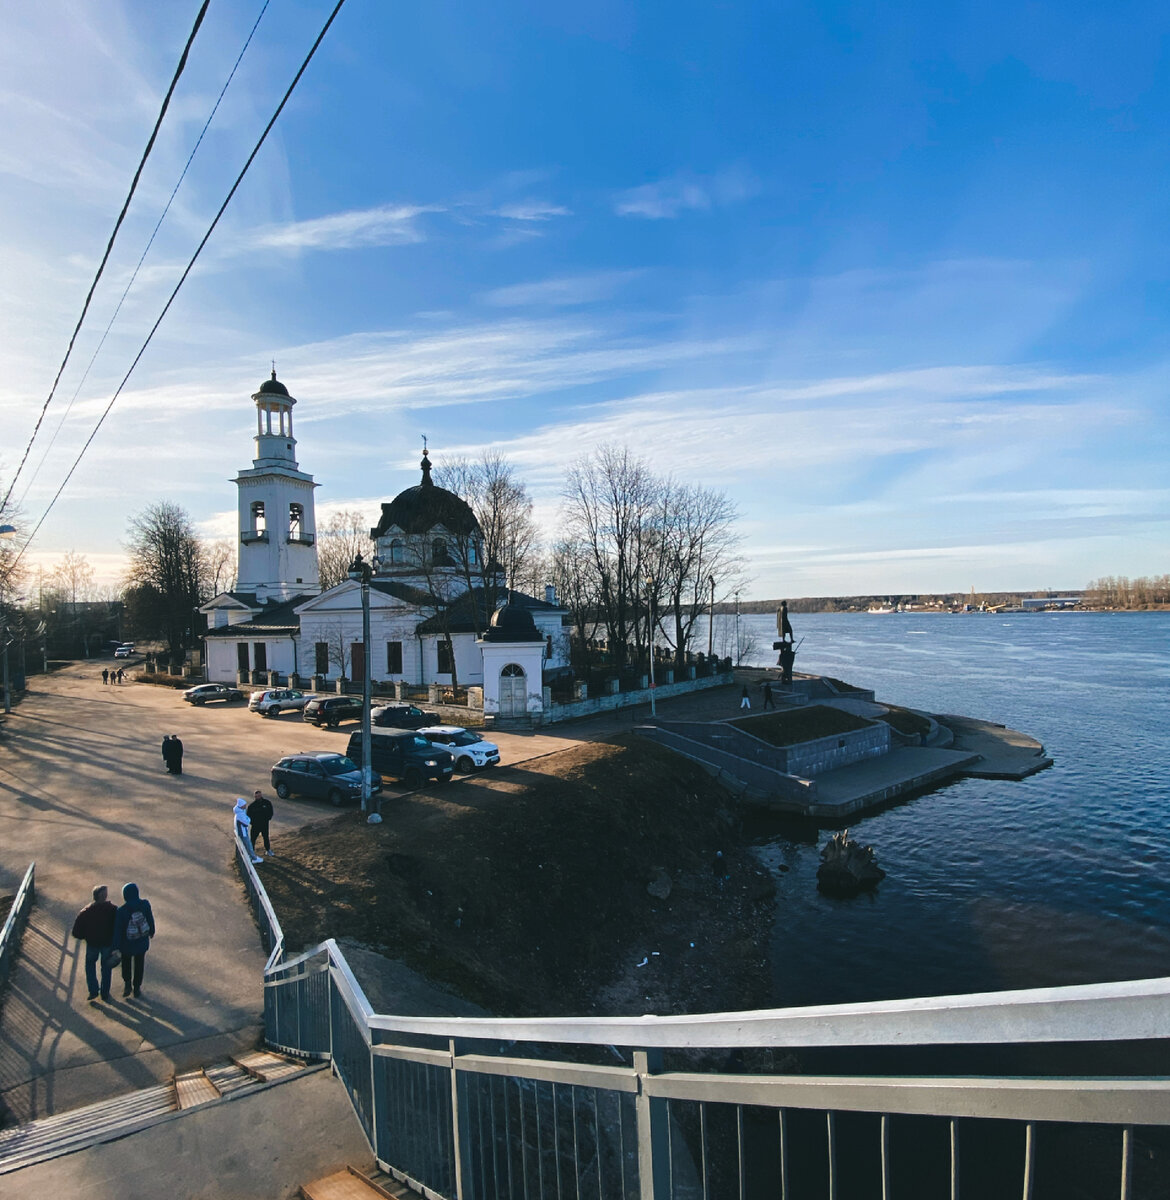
point(145, 252)
point(187, 271)
point(109, 245)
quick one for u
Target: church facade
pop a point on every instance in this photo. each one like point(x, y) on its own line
point(435, 606)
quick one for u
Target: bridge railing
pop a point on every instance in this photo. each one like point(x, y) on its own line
point(15, 921)
point(493, 1108)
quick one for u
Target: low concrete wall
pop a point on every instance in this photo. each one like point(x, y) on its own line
point(609, 703)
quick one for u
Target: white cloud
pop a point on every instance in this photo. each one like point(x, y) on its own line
point(669, 198)
point(532, 210)
point(385, 225)
point(564, 292)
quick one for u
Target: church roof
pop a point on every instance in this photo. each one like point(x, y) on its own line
point(272, 618)
point(420, 508)
point(462, 613)
point(272, 387)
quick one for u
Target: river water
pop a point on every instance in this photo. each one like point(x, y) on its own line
point(1060, 878)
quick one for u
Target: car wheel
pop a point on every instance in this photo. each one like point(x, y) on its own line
point(197, 700)
point(465, 766)
point(282, 790)
point(333, 723)
point(335, 798)
point(413, 778)
point(270, 711)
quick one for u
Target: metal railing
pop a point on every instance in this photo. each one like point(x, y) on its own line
point(497, 1108)
point(15, 921)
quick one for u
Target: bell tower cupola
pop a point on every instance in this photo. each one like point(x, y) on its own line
point(277, 526)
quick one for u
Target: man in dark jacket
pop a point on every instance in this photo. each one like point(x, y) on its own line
point(95, 926)
point(133, 929)
point(260, 813)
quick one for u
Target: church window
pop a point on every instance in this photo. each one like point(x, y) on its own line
point(472, 553)
point(397, 552)
point(446, 658)
point(513, 671)
point(439, 555)
point(321, 651)
point(296, 520)
point(393, 658)
point(258, 522)
point(242, 656)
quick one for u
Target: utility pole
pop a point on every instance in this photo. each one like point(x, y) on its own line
point(359, 571)
point(711, 617)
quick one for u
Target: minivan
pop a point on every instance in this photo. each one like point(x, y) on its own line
point(405, 755)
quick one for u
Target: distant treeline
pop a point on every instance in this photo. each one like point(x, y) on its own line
point(1116, 591)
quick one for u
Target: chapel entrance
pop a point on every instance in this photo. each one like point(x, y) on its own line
point(513, 691)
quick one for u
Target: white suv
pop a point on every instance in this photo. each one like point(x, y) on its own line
point(276, 700)
point(468, 749)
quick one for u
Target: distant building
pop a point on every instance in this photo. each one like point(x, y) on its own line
point(1035, 603)
point(428, 603)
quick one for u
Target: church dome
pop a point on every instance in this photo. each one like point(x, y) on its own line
point(419, 509)
point(272, 387)
point(511, 623)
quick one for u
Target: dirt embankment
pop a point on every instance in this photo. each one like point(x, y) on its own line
point(525, 889)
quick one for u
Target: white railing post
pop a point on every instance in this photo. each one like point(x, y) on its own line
point(460, 1119)
point(653, 1132)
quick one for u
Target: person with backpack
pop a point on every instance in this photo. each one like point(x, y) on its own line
point(133, 929)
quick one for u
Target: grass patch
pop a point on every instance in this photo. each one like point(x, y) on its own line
point(906, 722)
point(841, 685)
point(800, 725)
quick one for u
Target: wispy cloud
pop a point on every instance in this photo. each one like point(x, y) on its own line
point(532, 210)
point(666, 199)
point(385, 225)
point(567, 291)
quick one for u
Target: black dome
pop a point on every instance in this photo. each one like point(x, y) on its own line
point(272, 387)
point(511, 623)
point(420, 508)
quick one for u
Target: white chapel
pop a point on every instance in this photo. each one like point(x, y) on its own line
point(431, 594)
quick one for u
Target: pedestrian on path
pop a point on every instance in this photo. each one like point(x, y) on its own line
point(121, 674)
point(133, 929)
point(745, 701)
point(244, 826)
point(105, 675)
point(260, 813)
point(94, 925)
point(769, 700)
point(172, 752)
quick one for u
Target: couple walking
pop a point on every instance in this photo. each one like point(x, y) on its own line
point(112, 935)
point(252, 823)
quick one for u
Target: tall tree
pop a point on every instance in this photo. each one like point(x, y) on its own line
point(165, 582)
point(219, 566)
point(339, 540)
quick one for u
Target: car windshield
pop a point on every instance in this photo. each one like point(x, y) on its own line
point(462, 738)
point(420, 741)
point(337, 766)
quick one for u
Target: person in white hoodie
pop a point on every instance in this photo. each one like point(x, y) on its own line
point(244, 826)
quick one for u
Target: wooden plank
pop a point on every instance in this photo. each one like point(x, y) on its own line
point(194, 1088)
point(344, 1185)
point(266, 1066)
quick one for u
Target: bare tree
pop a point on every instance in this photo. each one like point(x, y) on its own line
point(71, 584)
point(344, 535)
point(165, 582)
point(338, 648)
point(219, 567)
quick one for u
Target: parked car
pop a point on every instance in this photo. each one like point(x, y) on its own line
point(206, 692)
point(329, 710)
point(274, 700)
point(124, 650)
point(324, 776)
point(404, 754)
point(470, 751)
point(402, 716)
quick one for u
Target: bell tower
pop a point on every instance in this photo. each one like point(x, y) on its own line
point(277, 526)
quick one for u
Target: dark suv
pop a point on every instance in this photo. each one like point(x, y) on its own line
point(402, 716)
point(404, 754)
point(329, 710)
point(331, 777)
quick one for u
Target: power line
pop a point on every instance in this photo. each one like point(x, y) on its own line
point(110, 244)
point(183, 278)
point(145, 252)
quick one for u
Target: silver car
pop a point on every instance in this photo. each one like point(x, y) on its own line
point(276, 700)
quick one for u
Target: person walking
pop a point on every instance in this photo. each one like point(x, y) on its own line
point(745, 701)
point(769, 699)
point(133, 929)
point(105, 675)
point(172, 751)
point(121, 674)
point(244, 826)
point(260, 813)
point(94, 925)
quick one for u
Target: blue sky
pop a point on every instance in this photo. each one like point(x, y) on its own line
point(894, 277)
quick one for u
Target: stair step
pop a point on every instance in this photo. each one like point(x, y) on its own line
point(347, 1185)
point(193, 1088)
point(267, 1066)
point(228, 1078)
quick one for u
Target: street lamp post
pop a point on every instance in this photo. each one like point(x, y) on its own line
point(360, 572)
point(738, 654)
point(650, 639)
point(711, 617)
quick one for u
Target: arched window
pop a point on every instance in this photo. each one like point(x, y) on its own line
point(512, 671)
point(397, 553)
point(439, 555)
point(258, 522)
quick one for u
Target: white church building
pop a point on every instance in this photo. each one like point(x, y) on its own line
point(429, 592)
